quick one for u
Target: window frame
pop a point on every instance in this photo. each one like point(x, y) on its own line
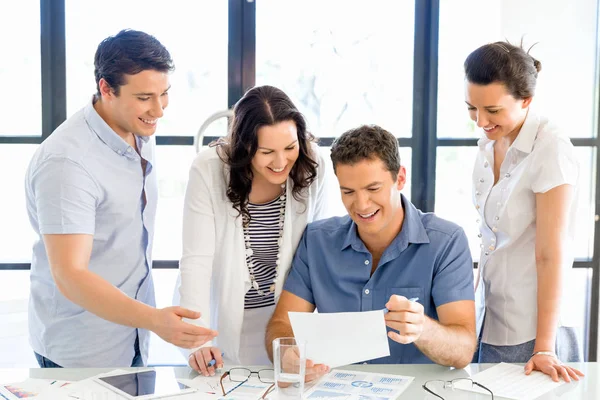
point(241, 77)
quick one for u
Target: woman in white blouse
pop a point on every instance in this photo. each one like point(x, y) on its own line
point(248, 200)
point(524, 189)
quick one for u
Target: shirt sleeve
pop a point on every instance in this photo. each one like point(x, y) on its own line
point(196, 265)
point(555, 164)
point(298, 281)
point(65, 196)
point(453, 279)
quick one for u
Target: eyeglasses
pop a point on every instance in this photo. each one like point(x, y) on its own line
point(437, 386)
point(241, 375)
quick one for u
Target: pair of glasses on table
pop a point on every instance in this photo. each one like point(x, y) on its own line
point(437, 387)
point(242, 375)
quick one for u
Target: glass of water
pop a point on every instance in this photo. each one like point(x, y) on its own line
point(289, 360)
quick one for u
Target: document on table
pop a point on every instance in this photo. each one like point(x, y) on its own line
point(252, 389)
point(28, 389)
point(337, 339)
point(358, 385)
point(509, 381)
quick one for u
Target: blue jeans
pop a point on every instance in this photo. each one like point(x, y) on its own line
point(137, 358)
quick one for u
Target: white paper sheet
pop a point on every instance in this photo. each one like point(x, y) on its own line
point(209, 386)
point(337, 339)
point(358, 385)
point(509, 381)
point(28, 389)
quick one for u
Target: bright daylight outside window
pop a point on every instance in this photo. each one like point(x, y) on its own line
point(567, 53)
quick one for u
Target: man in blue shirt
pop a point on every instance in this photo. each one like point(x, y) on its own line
point(91, 197)
point(383, 253)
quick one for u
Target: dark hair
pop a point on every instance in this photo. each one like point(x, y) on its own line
point(367, 142)
point(129, 52)
point(504, 63)
point(262, 106)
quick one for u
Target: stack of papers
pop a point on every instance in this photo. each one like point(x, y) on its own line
point(337, 339)
point(509, 381)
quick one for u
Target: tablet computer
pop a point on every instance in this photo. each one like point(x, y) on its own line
point(145, 385)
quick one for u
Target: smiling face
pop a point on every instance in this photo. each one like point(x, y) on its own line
point(495, 110)
point(278, 150)
point(138, 105)
point(372, 198)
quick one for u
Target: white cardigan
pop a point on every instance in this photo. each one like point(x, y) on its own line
point(213, 272)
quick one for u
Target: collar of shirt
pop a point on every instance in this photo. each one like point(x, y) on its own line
point(525, 139)
point(108, 136)
point(412, 231)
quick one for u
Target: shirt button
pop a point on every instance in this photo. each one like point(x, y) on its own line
point(367, 291)
point(507, 175)
point(366, 262)
point(480, 235)
point(497, 218)
point(487, 254)
point(129, 149)
point(478, 193)
point(481, 180)
point(485, 164)
point(477, 206)
point(491, 248)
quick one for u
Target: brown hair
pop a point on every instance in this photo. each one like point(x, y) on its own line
point(127, 53)
point(504, 63)
point(367, 142)
point(263, 106)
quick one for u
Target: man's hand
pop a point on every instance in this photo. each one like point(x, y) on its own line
point(167, 323)
point(553, 367)
point(200, 359)
point(314, 371)
point(406, 317)
point(290, 363)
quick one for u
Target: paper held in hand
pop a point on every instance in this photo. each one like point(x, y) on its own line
point(337, 339)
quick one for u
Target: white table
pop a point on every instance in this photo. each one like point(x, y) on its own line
point(587, 388)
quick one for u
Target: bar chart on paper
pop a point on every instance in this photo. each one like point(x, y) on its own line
point(351, 385)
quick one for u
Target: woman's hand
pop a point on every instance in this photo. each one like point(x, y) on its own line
point(552, 366)
point(201, 358)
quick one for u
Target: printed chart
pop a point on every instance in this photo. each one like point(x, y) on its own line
point(354, 385)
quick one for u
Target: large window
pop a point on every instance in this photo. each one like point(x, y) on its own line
point(341, 68)
point(20, 70)
point(398, 64)
point(567, 51)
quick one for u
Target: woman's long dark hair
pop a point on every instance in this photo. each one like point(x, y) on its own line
point(263, 106)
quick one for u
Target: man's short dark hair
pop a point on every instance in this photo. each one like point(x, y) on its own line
point(127, 53)
point(367, 142)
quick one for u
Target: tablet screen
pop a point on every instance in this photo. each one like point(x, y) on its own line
point(158, 383)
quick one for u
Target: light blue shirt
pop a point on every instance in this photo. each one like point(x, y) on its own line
point(85, 179)
point(428, 259)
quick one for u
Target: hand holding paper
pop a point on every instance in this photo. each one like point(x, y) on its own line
point(405, 316)
point(336, 339)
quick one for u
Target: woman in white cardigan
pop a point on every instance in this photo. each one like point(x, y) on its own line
point(248, 200)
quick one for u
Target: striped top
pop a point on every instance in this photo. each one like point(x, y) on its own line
point(264, 235)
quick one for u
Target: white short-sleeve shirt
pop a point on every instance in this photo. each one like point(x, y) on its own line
point(541, 158)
